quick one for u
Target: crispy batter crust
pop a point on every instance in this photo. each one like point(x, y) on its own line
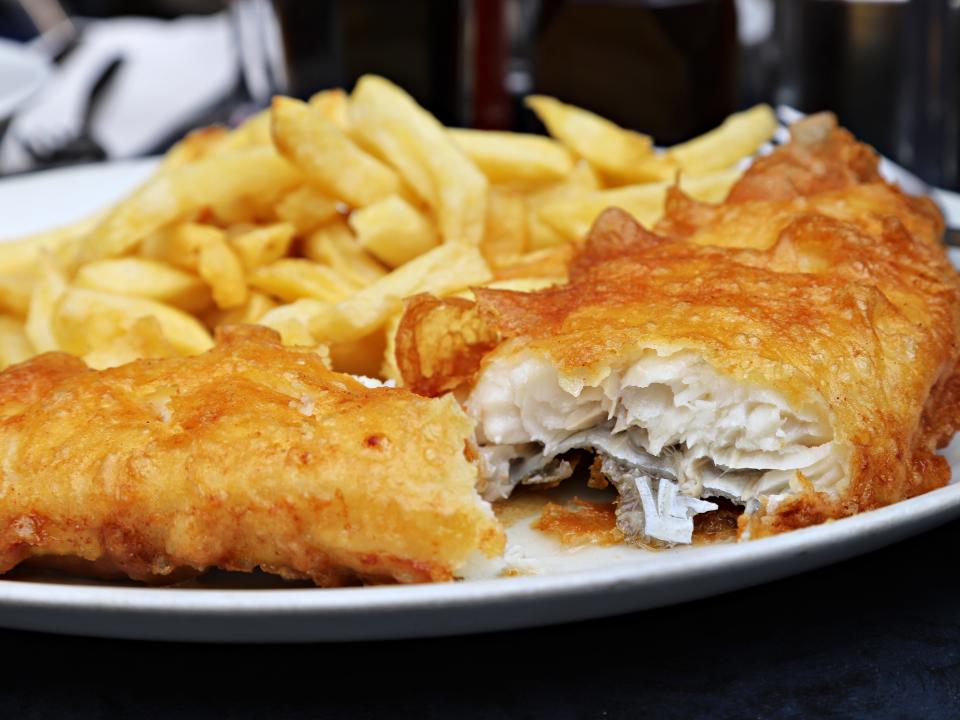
point(251, 455)
point(814, 278)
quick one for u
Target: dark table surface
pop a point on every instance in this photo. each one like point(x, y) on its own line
point(874, 637)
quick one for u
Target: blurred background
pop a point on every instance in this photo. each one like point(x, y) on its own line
point(82, 80)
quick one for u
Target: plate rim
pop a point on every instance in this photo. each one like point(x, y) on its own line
point(940, 504)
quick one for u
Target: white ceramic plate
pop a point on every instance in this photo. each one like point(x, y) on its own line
point(571, 584)
point(22, 72)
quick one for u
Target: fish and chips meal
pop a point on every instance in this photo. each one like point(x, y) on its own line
point(327, 344)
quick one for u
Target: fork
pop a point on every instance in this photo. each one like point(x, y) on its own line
point(65, 145)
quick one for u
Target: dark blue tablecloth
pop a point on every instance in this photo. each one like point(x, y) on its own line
point(874, 637)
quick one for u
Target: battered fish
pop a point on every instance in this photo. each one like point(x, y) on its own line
point(249, 456)
point(793, 350)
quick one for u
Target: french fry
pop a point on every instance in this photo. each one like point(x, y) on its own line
point(604, 144)
point(445, 269)
point(505, 233)
point(393, 231)
point(84, 319)
point(552, 262)
point(332, 104)
point(50, 286)
point(295, 278)
point(241, 210)
point(257, 305)
point(739, 136)
point(142, 277)
point(248, 173)
point(143, 338)
point(197, 144)
point(307, 209)
point(356, 185)
point(334, 244)
point(181, 244)
point(328, 158)
point(15, 347)
point(518, 284)
point(293, 321)
point(580, 183)
point(261, 245)
point(388, 365)
point(15, 292)
point(573, 218)
point(20, 256)
point(252, 132)
point(420, 149)
point(222, 270)
point(514, 158)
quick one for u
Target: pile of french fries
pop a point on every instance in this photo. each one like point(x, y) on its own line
point(317, 219)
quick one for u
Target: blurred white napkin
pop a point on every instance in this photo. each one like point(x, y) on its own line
point(172, 72)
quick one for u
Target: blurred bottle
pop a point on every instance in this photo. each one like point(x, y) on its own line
point(888, 68)
point(298, 47)
point(665, 67)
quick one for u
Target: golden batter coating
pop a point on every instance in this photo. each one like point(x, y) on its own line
point(815, 280)
point(251, 455)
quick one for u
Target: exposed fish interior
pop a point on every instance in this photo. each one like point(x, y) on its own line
point(670, 431)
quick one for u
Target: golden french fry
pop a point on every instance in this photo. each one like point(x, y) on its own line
point(551, 262)
point(389, 369)
point(329, 159)
point(20, 256)
point(307, 209)
point(739, 136)
point(293, 321)
point(83, 320)
point(242, 210)
point(246, 174)
point(181, 244)
point(142, 277)
point(195, 145)
point(514, 158)
point(15, 347)
point(609, 147)
point(518, 284)
point(332, 104)
point(15, 293)
point(143, 338)
point(50, 286)
point(222, 270)
point(505, 234)
point(257, 305)
point(284, 184)
point(444, 269)
point(334, 244)
point(252, 132)
point(573, 217)
point(418, 146)
point(261, 245)
point(295, 278)
point(582, 182)
point(393, 231)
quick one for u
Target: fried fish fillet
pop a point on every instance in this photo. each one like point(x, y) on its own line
point(249, 456)
point(793, 350)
